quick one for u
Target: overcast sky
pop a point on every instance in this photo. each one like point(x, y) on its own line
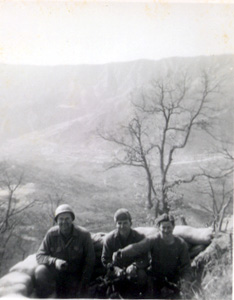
point(94, 32)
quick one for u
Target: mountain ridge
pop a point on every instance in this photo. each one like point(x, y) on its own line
point(78, 99)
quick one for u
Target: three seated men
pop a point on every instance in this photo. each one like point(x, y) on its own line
point(66, 258)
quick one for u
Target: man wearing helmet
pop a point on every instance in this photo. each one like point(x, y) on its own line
point(119, 238)
point(65, 257)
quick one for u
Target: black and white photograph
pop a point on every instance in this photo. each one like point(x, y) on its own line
point(116, 149)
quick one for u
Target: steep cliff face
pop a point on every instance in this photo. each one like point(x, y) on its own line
point(53, 106)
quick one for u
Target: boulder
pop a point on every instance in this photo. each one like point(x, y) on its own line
point(26, 266)
point(147, 231)
point(16, 282)
point(19, 290)
point(220, 245)
point(13, 295)
point(194, 236)
point(195, 250)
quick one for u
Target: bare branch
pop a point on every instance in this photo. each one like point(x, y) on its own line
point(165, 114)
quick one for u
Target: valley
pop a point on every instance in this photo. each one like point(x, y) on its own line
point(50, 117)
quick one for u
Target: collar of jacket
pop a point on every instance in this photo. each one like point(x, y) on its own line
point(56, 231)
point(132, 233)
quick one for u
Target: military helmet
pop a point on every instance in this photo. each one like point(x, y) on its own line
point(63, 208)
point(122, 214)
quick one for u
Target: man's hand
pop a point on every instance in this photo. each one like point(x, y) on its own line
point(113, 272)
point(116, 257)
point(118, 271)
point(61, 264)
point(132, 271)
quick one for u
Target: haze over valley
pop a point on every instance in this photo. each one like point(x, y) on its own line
point(50, 116)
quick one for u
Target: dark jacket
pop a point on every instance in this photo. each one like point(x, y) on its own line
point(78, 251)
point(167, 261)
point(113, 243)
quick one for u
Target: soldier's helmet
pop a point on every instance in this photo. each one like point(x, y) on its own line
point(63, 208)
point(122, 214)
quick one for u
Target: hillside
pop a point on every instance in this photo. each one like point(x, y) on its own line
point(50, 115)
point(51, 109)
point(49, 118)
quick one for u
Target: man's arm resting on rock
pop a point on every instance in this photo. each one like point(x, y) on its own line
point(134, 250)
point(107, 252)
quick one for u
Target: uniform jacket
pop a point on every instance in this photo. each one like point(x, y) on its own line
point(167, 261)
point(113, 243)
point(78, 251)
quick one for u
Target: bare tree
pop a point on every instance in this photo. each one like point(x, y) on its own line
point(135, 150)
point(166, 112)
point(12, 208)
point(220, 197)
point(219, 188)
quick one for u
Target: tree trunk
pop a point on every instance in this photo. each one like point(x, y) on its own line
point(157, 212)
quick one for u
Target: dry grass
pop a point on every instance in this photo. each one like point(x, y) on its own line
point(217, 281)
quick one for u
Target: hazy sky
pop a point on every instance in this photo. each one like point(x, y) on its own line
point(74, 32)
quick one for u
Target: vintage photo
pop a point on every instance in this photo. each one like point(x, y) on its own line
point(117, 150)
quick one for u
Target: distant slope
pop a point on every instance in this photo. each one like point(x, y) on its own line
point(62, 106)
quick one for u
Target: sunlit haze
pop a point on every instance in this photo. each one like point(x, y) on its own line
point(95, 32)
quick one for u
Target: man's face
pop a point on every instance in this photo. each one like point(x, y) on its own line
point(166, 229)
point(123, 227)
point(64, 221)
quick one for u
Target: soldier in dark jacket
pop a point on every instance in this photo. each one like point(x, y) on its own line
point(170, 262)
point(119, 238)
point(66, 258)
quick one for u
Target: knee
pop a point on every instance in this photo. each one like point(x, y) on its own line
point(44, 282)
point(41, 271)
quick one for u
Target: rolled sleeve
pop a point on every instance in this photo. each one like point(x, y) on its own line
point(43, 255)
point(137, 249)
point(107, 252)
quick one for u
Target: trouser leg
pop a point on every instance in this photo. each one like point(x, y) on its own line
point(141, 283)
point(44, 281)
point(142, 278)
point(153, 289)
point(67, 285)
point(164, 289)
point(133, 287)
